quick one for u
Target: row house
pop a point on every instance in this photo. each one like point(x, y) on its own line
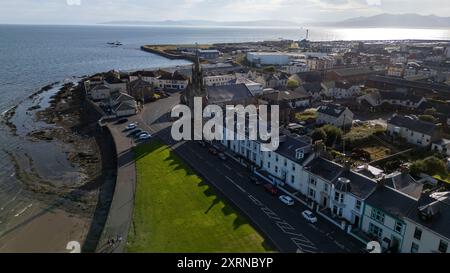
point(340, 89)
point(390, 209)
point(162, 79)
point(414, 131)
point(401, 99)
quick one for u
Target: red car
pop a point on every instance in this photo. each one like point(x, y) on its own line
point(271, 189)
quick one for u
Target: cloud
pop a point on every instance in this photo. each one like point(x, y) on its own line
point(73, 2)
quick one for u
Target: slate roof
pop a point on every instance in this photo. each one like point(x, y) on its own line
point(227, 93)
point(348, 72)
point(440, 205)
point(331, 110)
point(289, 147)
point(312, 87)
point(394, 95)
point(392, 202)
point(324, 168)
point(405, 183)
point(286, 95)
point(359, 185)
point(413, 124)
point(139, 84)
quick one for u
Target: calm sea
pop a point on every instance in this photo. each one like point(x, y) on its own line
point(33, 56)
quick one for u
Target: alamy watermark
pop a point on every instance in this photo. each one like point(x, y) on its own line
point(237, 123)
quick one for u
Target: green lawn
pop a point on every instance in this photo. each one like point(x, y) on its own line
point(175, 211)
point(309, 114)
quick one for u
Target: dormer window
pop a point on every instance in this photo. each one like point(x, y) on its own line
point(299, 154)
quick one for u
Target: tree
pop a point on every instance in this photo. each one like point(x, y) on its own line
point(430, 165)
point(319, 134)
point(269, 69)
point(334, 134)
point(292, 84)
point(428, 118)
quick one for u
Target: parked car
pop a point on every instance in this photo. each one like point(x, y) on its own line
point(222, 156)
point(141, 133)
point(255, 180)
point(122, 121)
point(271, 189)
point(131, 126)
point(309, 216)
point(213, 151)
point(287, 200)
point(134, 132)
point(144, 136)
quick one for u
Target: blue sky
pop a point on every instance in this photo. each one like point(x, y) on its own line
point(95, 11)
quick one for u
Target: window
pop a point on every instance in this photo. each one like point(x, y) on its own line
point(418, 234)
point(276, 169)
point(398, 227)
point(276, 158)
point(375, 231)
point(336, 196)
point(377, 215)
point(443, 246)
point(293, 166)
point(313, 181)
point(325, 187)
point(414, 248)
point(268, 165)
point(285, 162)
point(292, 179)
point(358, 205)
point(312, 193)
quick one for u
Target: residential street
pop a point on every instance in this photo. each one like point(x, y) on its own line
point(284, 226)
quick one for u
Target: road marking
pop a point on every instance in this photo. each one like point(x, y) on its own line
point(239, 187)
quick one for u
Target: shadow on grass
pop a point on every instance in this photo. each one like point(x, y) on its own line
point(176, 163)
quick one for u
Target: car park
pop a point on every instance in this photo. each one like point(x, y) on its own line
point(271, 189)
point(309, 216)
point(286, 200)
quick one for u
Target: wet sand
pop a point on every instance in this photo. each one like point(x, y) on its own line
point(72, 204)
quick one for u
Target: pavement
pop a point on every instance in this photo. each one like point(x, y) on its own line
point(121, 210)
point(283, 226)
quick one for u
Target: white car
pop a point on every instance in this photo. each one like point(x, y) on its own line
point(145, 136)
point(287, 200)
point(131, 126)
point(309, 216)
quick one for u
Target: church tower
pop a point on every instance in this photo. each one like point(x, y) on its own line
point(195, 87)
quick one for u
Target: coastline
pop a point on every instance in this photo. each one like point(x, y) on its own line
point(69, 210)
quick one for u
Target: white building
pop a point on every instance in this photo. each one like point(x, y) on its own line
point(267, 58)
point(417, 132)
point(427, 226)
point(335, 115)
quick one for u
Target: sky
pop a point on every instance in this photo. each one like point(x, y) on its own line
point(301, 11)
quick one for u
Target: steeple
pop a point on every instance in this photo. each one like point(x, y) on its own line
point(195, 87)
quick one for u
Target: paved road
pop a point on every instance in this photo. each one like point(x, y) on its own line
point(283, 226)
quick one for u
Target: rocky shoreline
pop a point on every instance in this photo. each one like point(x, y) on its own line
point(68, 123)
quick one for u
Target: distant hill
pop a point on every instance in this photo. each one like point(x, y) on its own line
point(392, 20)
point(260, 23)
